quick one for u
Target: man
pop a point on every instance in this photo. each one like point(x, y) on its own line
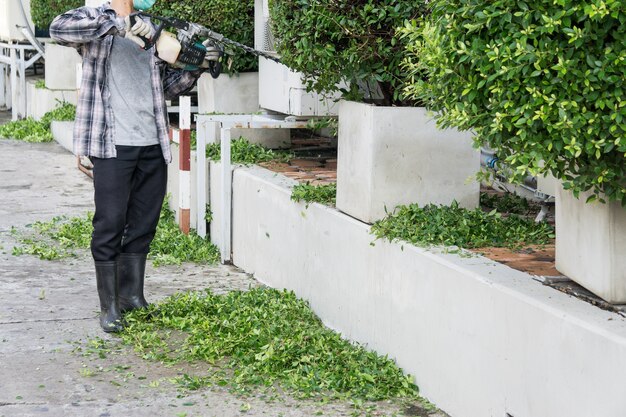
point(121, 124)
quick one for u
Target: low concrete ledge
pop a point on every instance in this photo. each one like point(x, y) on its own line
point(480, 338)
point(63, 133)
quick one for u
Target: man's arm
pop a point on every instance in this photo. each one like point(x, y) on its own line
point(177, 82)
point(85, 24)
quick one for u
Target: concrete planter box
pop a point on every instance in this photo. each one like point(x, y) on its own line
point(591, 245)
point(283, 90)
point(61, 64)
point(41, 100)
point(10, 17)
point(63, 133)
point(548, 184)
point(229, 94)
point(389, 156)
point(238, 94)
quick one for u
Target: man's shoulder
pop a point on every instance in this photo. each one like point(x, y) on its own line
point(91, 11)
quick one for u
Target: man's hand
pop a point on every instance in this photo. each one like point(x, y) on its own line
point(213, 52)
point(139, 31)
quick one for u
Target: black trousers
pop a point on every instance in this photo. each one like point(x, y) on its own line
point(129, 193)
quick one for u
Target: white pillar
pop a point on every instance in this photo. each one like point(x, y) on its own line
point(14, 102)
point(227, 198)
point(201, 187)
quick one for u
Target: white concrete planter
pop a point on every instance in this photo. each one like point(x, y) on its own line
point(63, 133)
point(283, 90)
point(61, 63)
point(41, 100)
point(238, 94)
point(10, 17)
point(591, 245)
point(229, 94)
point(390, 156)
point(548, 184)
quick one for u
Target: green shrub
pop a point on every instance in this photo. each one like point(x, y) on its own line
point(43, 12)
point(233, 19)
point(63, 113)
point(31, 130)
point(244, 152)
point(540, 82)
point(353, 41)
point(27, 130)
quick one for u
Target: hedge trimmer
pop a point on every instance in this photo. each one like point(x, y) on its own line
point(191, 44)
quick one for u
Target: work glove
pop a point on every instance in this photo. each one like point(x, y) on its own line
point(213, 52)
point(138, 31)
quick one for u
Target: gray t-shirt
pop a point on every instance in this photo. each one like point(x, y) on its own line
point(131, 94)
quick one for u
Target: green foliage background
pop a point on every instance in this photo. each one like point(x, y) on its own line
point(43, 12)
point(348, 40)
point(541, 82)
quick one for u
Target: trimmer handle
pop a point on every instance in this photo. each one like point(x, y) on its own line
point(148, 42)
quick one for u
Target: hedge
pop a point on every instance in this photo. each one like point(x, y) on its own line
point(43, 12)
point(541, 82)
point(350, 41)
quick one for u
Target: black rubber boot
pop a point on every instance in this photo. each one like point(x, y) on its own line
point(106, 280)
point(131, 269)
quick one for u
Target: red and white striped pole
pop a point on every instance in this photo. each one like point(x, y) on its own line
point(184, 178)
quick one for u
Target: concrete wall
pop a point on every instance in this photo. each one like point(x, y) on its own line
point(390, 156)
point(63, 133)
point(591, 245)
point(226, 94)
point(60, 68)
point(480, 338)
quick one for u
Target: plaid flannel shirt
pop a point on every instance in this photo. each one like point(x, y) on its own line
point(91, 31)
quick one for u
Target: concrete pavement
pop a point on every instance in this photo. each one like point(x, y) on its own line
point(48, 314)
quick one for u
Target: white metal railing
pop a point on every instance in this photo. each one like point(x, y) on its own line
point(206, 126)
point(13, 60)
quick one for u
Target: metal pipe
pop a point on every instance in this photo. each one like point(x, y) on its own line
point(489, 159)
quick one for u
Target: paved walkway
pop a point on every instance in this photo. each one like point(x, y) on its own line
point(48, 309)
